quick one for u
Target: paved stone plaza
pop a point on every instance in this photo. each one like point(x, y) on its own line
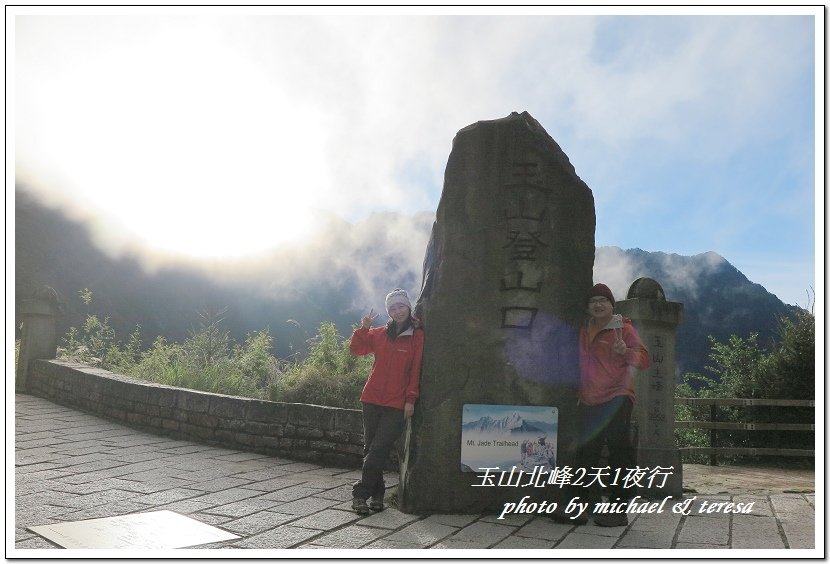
point(71, 466)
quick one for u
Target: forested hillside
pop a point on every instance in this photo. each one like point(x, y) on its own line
point(334, 276)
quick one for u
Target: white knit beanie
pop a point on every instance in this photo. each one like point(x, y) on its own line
point(397, 296)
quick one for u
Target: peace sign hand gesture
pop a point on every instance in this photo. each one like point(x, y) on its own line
point(366, 321)
point(619, 345)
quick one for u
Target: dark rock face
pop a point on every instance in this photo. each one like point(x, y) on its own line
point(507, 267)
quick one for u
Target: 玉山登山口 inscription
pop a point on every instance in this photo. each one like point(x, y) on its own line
point(525, 204)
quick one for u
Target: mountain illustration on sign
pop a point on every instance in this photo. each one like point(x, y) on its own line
point(509, 424)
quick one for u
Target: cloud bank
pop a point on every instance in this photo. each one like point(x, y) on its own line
point(220, 135)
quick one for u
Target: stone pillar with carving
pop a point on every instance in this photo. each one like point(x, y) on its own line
point(508, 264)
point(656, 320)
point(39, 332)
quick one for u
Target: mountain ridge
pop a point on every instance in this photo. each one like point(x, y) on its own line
point(336, 275)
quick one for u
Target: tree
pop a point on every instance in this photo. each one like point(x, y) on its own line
point(741, 368)
point(210, 344)
point(792, 365)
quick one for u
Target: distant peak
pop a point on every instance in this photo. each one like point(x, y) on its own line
point(712, 257)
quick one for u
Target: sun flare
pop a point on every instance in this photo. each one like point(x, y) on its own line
point(192, 149)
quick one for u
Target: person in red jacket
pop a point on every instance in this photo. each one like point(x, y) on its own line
point(390, 392)
point(609, 350)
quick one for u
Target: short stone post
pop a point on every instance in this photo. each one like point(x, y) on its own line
point(656, 320)
point(39, 335)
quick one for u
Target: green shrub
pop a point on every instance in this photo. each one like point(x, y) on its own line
point(741, 368)
point(241, 371)
point(329, 375)
point(208, 360)
point(94, 343)
point(160, 363)
point(693, 385)
point(255, 361)
point(311, 384)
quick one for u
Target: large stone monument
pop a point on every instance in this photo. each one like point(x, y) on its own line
point(506, 270)
point(656, 321)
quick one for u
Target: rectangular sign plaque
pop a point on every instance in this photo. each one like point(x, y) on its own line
point(503, 436)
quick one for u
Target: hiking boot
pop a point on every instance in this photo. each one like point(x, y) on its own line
point(360, 507)
point(611, 519)
point(559, 516)
point(376, 503)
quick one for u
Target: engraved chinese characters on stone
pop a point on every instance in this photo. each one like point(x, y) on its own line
point(525, 203)
point(656, 382)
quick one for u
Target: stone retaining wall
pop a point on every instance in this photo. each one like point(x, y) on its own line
point(329, 436)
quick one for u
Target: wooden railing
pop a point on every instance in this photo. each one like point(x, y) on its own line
point(713, 450)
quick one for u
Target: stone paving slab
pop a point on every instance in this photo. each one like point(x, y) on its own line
point(326, 520)
point(422, 534)
point(256, 522)
point(351, 536)
point(72, 466)
point(544, 529)
point(284, 536)
point(389, 518)
point(635, 538)
point(756, 531)
point(580, 540)
point(523, 543)
point(703, 529)
point(480, 534)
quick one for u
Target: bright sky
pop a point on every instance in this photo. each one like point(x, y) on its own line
point(215, 132)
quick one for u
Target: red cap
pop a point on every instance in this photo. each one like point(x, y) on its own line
point(602, 290)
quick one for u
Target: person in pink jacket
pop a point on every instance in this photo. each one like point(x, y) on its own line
point(390, 392)
point(609, 350)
